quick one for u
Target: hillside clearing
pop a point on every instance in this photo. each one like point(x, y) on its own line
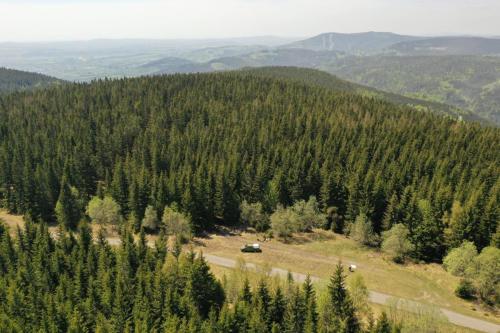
point(316, 254)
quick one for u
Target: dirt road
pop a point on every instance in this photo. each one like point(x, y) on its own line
point(375, 297)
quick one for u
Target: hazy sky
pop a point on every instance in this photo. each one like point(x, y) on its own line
point(35, 20)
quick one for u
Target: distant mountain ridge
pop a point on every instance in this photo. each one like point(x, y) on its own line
point(355, 43)
point(449, 46)
point(370, 43)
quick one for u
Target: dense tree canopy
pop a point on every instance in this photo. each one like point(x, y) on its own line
point(210, 141)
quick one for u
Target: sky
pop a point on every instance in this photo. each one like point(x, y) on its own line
point(50, 20)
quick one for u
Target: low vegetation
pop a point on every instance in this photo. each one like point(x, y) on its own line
point(480, 272)
point(302, 216)
point(362, 231)
point(417, 317)
point(176, 224)
point(396, 243)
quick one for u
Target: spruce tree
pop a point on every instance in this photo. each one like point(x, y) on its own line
point(428, 233)
point(383, 325)
point(390, 214)
point(277, 308)
point(246, 292)
point(294, 318)
point(119, 188)
point(311, 317)
point(67, 209)
point(262, 301)
point(341, 303)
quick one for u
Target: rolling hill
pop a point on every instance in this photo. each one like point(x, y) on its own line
point(268, 57)
point(371, 43)
point(356, 43)
point(14, 80)
point(467, 82)
point(210, 53)
point(323, 79)
point(437, 74)
point(449, 46)
point(114, 58)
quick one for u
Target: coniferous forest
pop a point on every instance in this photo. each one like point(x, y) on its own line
point(205, 146)
point(207, 142)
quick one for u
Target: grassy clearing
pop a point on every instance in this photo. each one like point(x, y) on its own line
point(428, 319)
point(12, 221)
point(317, 253)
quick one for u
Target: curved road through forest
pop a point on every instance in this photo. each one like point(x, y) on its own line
point(375, 297)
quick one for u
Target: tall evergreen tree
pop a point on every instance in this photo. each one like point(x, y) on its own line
point(277, 308)
point(311, 318)
point(67, 208)
point(341, 303)
point(294, 319)
point(119, 188)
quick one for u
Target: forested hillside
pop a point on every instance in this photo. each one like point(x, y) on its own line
point(12, 80)
point(439, 83)
point(210, 141)
point(467, 82)
point(323, 79)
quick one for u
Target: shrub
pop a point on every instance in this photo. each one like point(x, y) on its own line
point(361, 230)
point(253, 215)
point(459, 259)
point(104, 211)
point(177, 224)
point(309, 215)
point(302, 216)
point(396, 242)
point(465, 289)
point(485, 271)
point(284, 222)
point(335, 221)
point(150, 220)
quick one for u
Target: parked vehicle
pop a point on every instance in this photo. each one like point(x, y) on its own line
point(251, 248)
